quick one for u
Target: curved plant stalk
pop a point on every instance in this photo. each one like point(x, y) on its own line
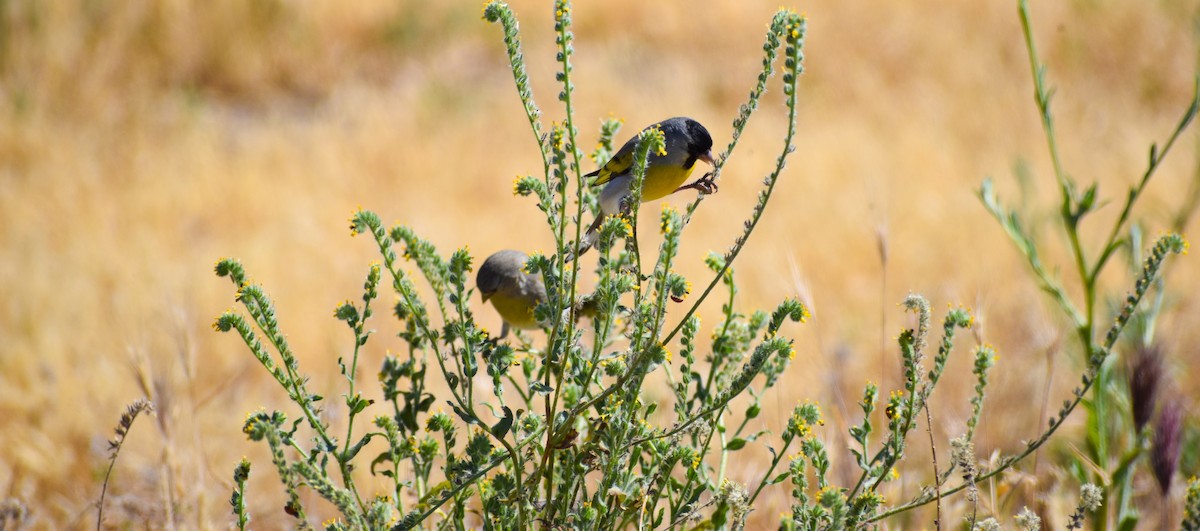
point(1170, 244)
point(540, 476)
point(791, 27)
point(114, 449)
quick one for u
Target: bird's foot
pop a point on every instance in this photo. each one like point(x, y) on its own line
point(705, 185)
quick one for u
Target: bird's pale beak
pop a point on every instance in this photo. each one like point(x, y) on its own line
point(707, 156)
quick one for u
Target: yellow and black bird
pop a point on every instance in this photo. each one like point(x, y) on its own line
point(685, 142)
point(502, 279)
point(516, 294)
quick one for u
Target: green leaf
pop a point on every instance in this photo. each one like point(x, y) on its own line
point(357, 404)
point(1087, 201)
point(860, 459)
point(1128, 523)
point(500, 429)
point(352, 451)
point(753, 411)
point(384, 457)
point(465, 416)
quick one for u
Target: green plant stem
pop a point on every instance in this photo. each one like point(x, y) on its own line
point(670, 248)
point(131, 414)
point(683, 425)
point(468, 350)
point(863, 477)
point(703, 451)
point(342, 458)
point(772, 44)
point(1156, 158)
point(434, 505)
point(299, 395)
point(512, 41)
point(775, 459)
point(744, 114)
point(517, 387)
point(599, 340)
point(640, 163)
point(1005, 463)
point(765, 197)
point(565, 37)
point(409, 300)
point(1066, 188)
point(937, 489)
point(1124, 478)
point(1072, 210)
point(720, 429)
point(1042, 97)
point(1153, 265)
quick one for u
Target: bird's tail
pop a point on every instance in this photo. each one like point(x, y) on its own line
point(588, 239)
point(588, 307)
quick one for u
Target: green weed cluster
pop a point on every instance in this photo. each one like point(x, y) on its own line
point(559, 431)
point(1117, 410)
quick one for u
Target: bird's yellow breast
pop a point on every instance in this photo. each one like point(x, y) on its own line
point(515, 310)
point(662, 179)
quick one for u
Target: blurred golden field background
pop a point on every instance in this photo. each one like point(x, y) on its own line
point(141, 140)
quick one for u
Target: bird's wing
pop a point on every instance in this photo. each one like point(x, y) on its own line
point(617, 165)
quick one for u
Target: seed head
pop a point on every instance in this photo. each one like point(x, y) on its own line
point(1145, 379)
point(1168, 439)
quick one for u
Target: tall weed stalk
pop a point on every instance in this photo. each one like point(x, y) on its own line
point(539, 433)
point(560, 430)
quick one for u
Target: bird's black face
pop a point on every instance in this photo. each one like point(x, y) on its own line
point(488, 281)
point(699, 144)
point(501, 270)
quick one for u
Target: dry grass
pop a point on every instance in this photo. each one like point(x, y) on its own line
point(141, 140)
